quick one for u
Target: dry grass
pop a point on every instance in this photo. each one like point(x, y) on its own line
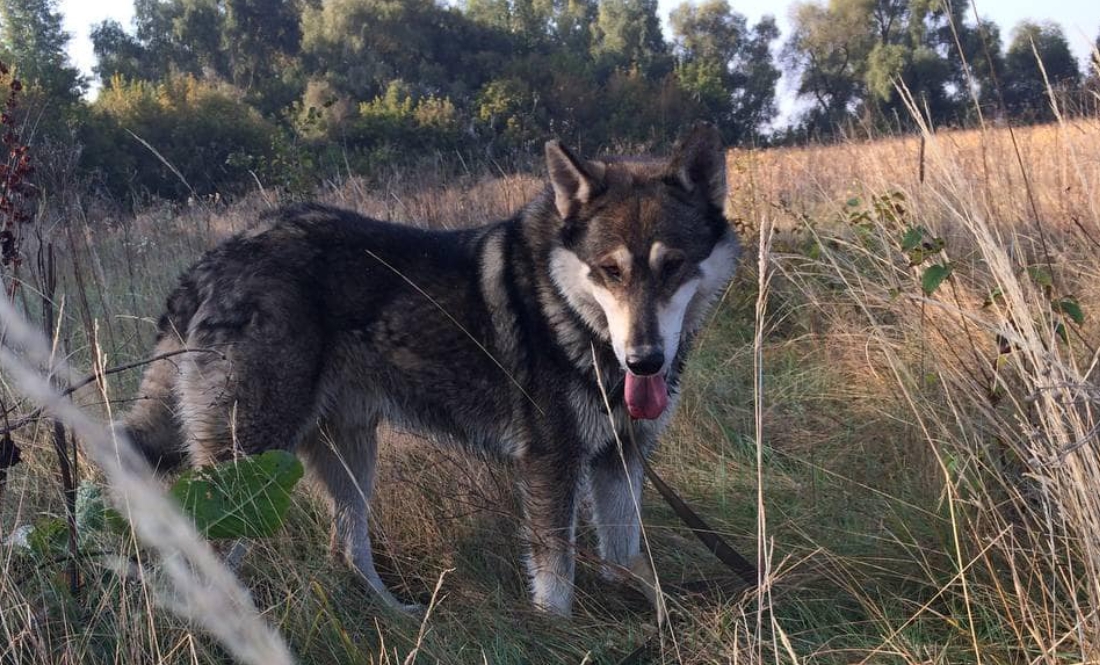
point(928, 498)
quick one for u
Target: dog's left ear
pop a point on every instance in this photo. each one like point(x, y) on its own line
point(575, 182)
point(699, 163)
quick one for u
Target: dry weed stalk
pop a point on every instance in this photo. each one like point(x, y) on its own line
point(201, 588)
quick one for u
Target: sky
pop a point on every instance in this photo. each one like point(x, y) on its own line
point(1079, 18)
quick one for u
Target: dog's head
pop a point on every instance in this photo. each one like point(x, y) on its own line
point(645, 249)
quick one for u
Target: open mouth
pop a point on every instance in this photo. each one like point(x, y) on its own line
point(646, 396)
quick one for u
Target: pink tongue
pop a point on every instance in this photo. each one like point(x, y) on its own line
point(646, 396)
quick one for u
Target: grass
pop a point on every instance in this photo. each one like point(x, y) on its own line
point(928, 462)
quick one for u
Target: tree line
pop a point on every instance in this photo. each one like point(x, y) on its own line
point(198, 96)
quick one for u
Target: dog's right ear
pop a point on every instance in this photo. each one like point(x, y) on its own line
point(575, 182)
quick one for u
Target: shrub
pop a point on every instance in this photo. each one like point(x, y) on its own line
point(175, 139)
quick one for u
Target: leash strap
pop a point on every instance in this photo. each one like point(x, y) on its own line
point(706, 535)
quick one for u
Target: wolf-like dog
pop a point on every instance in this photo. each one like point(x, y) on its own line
point(536, 339)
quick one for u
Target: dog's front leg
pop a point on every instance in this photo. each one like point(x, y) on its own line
point(615, 490)
point(549, 489)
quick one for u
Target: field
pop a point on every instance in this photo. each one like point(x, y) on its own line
point(894, 411)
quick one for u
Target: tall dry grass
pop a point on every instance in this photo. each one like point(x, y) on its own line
point(988, 377)
point(916, 471)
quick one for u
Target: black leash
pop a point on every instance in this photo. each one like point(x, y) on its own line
point(706, 535)
point(744, 569)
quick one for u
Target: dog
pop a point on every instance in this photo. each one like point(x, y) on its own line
point(538, 339)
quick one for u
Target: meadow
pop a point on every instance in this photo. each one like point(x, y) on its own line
point(893, 411)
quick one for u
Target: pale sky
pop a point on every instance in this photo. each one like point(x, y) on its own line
point(1079, 18)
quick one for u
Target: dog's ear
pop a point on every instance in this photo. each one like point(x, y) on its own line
point(699, 163)
point(575, 182)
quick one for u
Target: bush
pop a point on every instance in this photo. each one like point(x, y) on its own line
point(397, 119)
point(179, 138)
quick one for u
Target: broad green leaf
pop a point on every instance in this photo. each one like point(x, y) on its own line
point(911, 239)
point(1071, 308)
point(1060, 330)
point(853, 202)
point(246, 497)
point(933, 277)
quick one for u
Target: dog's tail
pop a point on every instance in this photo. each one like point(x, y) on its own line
point(151, 424)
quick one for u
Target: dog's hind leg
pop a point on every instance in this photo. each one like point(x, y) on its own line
point(342, 458)
point(261, 393)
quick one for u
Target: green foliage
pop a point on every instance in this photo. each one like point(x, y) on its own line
point(243, 498)
point(33, 41)
point(1038, 55)
point(727, 67)
point(246, 497)
point(312, 84)
point(396, 119)
point(1070, 307)
point(852, 56)
point(119, 54)
point(934, 276)
point(628, 32)
point(199, 138)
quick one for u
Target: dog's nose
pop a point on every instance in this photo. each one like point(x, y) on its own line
point(645, 360)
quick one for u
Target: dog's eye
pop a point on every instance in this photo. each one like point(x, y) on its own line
point(672, 265)
point(612, 272)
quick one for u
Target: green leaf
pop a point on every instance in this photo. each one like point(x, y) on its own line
point(1040, 276)
point(1060, 330)
point(246, 497)
point(1071, 308)
point(933, 277)
point(911, 239)
point(49, 538)
point(852, 202)
point(814, 250)
point(994, 295)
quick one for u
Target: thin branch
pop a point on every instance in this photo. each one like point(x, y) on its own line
point(33, 416)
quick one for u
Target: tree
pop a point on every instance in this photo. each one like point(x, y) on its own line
point(170, 36)
point(852, 58)
point(628, 32)
point(118, 53)
point(983, 58)
point(32, 38)
point(726, 66)
point(259, 36)
point(359, 46)
point(827, 54)
point(196, 45)
point(154, 30)
point(1038, 55)
point(1092, 78)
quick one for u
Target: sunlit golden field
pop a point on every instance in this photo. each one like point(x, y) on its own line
point(894, 411)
